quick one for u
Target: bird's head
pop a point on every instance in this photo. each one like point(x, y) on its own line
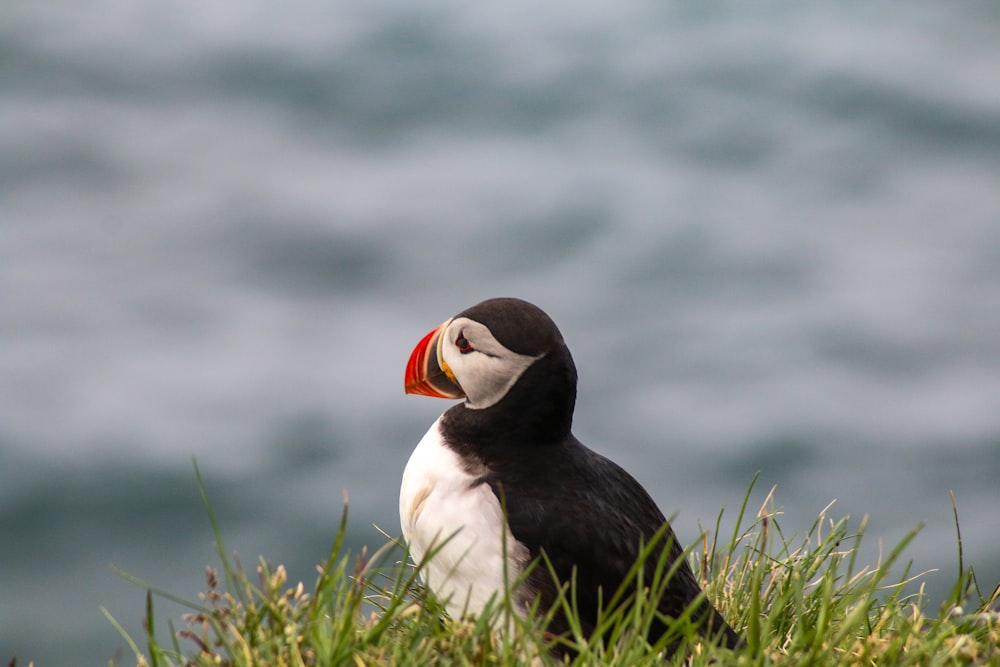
point(483, 352)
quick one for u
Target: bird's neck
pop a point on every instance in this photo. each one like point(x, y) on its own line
point(538, 410)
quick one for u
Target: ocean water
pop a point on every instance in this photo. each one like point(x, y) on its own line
point(770, 235)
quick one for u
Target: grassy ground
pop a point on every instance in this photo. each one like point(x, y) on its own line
point(798, 601)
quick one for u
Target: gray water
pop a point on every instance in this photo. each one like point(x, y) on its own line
point(770, 235)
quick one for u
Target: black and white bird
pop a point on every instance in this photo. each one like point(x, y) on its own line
point(500, 479)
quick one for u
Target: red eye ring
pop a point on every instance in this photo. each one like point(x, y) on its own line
point(463, 345)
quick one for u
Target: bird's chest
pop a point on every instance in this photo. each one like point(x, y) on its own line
point(457, 522)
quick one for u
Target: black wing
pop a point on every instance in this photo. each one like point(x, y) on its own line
point(585, 512)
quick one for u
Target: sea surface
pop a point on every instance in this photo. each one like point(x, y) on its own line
point(769, 232)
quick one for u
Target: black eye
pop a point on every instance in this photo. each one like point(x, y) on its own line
point(463, 345)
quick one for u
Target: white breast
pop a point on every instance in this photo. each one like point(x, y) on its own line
point(440, 504)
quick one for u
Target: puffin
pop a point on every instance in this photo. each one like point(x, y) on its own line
point(500, 481)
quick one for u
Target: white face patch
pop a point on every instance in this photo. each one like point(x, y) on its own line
point(486, 373)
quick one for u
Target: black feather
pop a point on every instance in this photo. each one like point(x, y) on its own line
point(584, 512)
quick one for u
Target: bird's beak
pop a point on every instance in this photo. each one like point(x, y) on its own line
point(427, 373)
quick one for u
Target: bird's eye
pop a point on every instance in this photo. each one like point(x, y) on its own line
point(463, 345)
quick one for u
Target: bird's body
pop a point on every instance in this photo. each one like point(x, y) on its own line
point(500, 479)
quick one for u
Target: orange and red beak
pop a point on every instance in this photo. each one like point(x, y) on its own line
point(427, 373)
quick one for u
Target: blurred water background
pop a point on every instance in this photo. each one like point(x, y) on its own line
point(770, 233)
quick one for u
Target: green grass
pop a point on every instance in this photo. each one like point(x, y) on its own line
point(797, 600)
